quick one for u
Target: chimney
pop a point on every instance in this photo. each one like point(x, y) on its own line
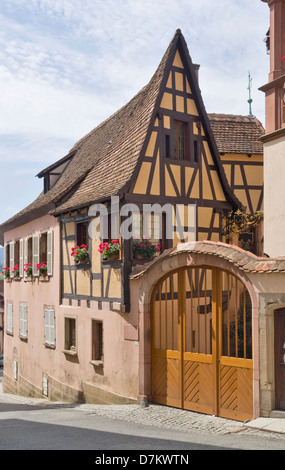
point(196, 67)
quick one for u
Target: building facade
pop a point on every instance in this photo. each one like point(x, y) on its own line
point(100, 314)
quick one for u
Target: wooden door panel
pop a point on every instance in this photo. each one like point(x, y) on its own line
point(166, 380)
point(235, 392)
point(199, 387)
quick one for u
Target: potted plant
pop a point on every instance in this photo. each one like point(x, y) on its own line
point(42, 268)
point(6, 273)
point(145, 249)
point(80, 253)
point(28, 270)
point(110, 249)
point(16, 272)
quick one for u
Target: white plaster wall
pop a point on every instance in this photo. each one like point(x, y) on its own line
point(274, 197)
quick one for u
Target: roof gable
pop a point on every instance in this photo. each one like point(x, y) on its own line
point(102, 163)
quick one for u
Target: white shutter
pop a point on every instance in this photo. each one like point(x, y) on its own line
point(52, 327)
point(21, 258)
point(12, 251)
point(36, 254)
point(47, 322)
point(49, 326)
point(9, 318)
point(26, 251)
point(49, 252)
point(23, 321)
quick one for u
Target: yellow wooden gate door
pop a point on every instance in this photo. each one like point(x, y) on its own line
point(201, 343)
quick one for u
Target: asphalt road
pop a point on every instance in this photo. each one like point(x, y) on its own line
point(30, 427)
point(66, 427)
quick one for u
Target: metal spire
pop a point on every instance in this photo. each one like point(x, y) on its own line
point(249, 94)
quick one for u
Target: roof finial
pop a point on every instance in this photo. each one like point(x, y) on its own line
point(249, 94)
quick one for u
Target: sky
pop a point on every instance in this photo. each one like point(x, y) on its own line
point(67, 65)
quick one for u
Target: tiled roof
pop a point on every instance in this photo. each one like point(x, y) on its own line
point(244, 260)
point(237, 134)
point(102, 162)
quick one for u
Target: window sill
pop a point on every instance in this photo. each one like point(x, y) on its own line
point(44, 278)
point(97, 363)
point(69, 352)
point(82, 264)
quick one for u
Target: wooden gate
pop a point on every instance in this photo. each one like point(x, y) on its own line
point(201, 343)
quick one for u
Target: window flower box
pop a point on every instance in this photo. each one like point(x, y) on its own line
point(145, 249)
point(80, 253)
point(110, 250)
point(42, 268)
point(6, 274)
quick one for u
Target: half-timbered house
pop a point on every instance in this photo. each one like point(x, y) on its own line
point(73, 326)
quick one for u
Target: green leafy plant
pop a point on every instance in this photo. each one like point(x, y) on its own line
point(6, 272)
point(16, 270)
point(108, 249)
point(80, 252)
point(28, 269)
point(42, 268)
point(145, 248)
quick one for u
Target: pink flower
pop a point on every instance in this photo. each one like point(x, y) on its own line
point(283, 58)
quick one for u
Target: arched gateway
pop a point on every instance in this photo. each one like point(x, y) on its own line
point(198, 323)
point(201, 342)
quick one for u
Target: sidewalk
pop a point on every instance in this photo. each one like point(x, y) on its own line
point(160, 416)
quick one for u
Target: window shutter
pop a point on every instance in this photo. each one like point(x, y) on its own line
point(12, 250)
point(47, 322)
point(49, 252)
point(23, 321)
point(36, 254)
point(26, 249)
point(52, 327)
point(49, 326)
point(9, 318)
point(21, 258)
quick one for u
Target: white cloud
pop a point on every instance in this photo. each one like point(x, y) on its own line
point(67, 65)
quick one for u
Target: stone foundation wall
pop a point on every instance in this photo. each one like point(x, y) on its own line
point(57, 391)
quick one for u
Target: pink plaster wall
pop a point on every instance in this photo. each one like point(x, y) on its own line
point(120, 371)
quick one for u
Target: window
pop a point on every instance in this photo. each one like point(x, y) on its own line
point(23, 321)
point(97, 341)
point(70, 335)
point(167, 146)
point(49, 319)
point(9, 328)
point(196, 151)
point(147, 226)
point(180, 140)
point(42, 247)
point(82, 233)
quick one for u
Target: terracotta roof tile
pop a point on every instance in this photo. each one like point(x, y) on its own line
point(237, 134)
point(245, 260)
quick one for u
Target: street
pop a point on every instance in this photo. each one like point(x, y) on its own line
point(32, 426)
